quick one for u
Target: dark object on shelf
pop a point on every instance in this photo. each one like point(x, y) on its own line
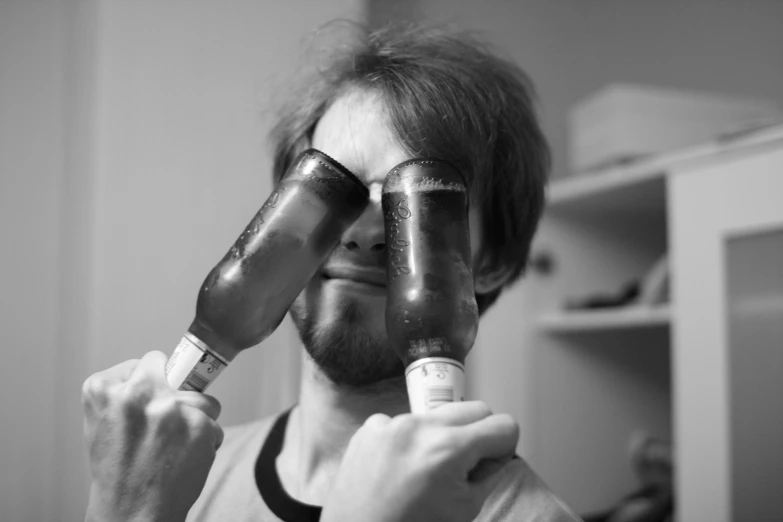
point(653, 463)
point(650, 504)
point(655, 284)
point(651, 289)
point(625, 296)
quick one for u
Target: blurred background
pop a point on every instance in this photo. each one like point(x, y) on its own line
point(642, 353)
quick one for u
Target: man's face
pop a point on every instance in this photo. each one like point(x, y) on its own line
point(340, 315)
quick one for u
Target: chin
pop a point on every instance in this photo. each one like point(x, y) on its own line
point(343, 329)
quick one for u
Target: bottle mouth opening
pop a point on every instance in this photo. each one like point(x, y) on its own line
point(396, 183)
point(340, 167)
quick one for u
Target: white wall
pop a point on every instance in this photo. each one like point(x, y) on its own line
point(132, 153)
point(31, 172)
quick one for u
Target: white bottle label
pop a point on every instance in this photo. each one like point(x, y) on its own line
point(434, 381)
point(192, 369)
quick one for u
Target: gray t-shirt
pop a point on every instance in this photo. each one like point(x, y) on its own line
point(243, 485)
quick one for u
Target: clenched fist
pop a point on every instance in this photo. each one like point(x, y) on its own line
point(150, 446)
point(422, 468)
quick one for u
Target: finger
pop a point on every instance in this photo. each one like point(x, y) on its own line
point(492, 438)
point(151, 368)
point(461, 413)
point(206, 403)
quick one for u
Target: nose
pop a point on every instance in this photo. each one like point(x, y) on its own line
point(366, 234)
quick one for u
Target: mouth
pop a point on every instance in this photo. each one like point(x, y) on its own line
point(371, 278)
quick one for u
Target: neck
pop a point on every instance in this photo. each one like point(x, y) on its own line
point(322, 424)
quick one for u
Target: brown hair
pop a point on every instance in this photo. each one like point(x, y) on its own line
point(450, 97)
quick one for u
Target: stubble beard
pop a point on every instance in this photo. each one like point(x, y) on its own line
point(345, 350)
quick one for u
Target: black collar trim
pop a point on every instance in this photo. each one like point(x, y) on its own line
point(268, 481)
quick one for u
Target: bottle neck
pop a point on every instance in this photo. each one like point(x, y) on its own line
point(431, 348)
point(207, 340)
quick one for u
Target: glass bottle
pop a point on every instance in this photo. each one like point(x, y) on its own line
point(246, 295)
point(431, 311)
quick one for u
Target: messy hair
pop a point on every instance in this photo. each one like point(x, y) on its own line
point(448, 96)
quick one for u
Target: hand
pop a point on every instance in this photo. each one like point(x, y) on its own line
point(436, 467)
point(150, 446)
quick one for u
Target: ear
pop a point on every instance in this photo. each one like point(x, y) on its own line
point(487, 279)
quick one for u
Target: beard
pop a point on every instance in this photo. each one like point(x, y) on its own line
point(343, 347)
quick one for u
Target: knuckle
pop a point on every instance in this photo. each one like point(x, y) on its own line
point(95, 390)
point(482, 408)
point(443, 445)
point(215, 406)
point(136, 395)
point(448, 439)
point(512, 426)
point(208, 405)
point(434, 450)
point(165, 413)
point(198, 420)
point(164, 407)
point(508, 422)
point(376, 421)
point(405, 423)
point(203, 429)
point(219, 436)
point(156, 354)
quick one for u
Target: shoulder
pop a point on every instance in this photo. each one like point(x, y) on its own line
point(523, 497)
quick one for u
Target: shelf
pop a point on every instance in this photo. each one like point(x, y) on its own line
point(609, 319)
point(639, 188)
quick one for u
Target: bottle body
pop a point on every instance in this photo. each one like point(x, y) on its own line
point(431, 312)
point(247, 294)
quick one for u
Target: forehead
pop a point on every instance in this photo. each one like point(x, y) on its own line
point(355, 130)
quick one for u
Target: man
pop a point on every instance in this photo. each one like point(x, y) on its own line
point(349, 444)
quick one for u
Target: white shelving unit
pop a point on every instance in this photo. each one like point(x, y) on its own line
point(607, 374)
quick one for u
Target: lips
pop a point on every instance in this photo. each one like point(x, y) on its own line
point(368, 276)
